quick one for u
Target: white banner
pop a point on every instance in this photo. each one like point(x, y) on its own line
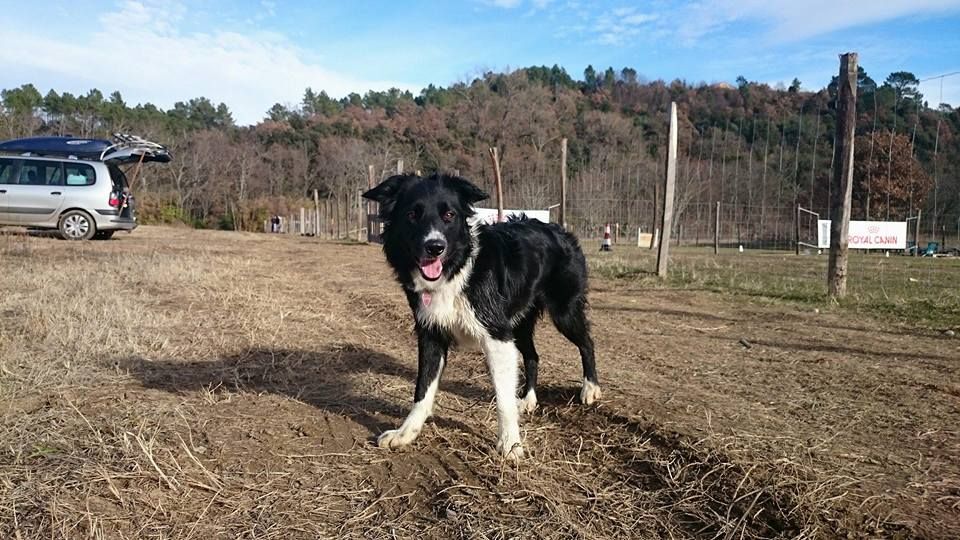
point(489, 215)
point(867, 234)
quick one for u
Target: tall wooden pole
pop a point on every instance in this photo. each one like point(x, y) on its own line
point(316, 214)
point(360, 213)
point(656, 214)
point(563, 183)
point(916, 234)
point(716, 232)
point(371, 209)
point(323, 219)
point(371, 180)
point(495, 157)
point(843, 176)
point(667, 220)
point(796, 227)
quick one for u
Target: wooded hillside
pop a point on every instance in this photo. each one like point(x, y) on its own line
point(755, 148)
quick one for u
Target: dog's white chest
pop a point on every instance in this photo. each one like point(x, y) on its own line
point(448, 309)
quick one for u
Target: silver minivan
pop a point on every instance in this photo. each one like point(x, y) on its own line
point(72, 185)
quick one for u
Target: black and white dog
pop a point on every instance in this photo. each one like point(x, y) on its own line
point(469, 283)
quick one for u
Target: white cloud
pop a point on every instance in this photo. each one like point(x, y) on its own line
point(776, 21)
point(620, 25)
point(790, 20)
point(138, 51)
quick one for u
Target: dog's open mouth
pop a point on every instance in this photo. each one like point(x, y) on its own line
point(431, 268)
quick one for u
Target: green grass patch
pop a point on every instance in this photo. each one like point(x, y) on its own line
point(920, 291)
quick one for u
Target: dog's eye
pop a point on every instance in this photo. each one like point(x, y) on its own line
point(449, 215)
point(412, 215)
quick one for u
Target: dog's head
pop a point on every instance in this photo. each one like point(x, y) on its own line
point(426, 232)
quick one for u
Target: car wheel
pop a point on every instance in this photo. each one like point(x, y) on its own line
point(77, 225)
point(103, 235)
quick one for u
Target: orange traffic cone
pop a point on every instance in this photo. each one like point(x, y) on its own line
point(606, 245)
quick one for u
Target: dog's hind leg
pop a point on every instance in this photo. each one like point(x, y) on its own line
point(432, 356)
point(502, 362)
point(571, 321)
point(531, 361)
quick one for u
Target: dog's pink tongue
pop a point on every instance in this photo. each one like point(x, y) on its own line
point(432, 269)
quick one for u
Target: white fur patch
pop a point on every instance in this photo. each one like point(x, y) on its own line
point(529, 402)
point(503, 359)
point(590, 393)
point(408, 431)
point(434, 235)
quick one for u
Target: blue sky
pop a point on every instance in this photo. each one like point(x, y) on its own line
point(251, 54)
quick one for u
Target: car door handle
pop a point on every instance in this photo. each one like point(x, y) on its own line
point(55, 193)
point(3, 191)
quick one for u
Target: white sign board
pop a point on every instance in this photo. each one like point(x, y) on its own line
point(489, 215)
point(867, 234)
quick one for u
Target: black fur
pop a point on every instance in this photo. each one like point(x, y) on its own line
point(521, 268)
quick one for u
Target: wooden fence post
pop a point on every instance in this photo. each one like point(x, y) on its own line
point(371, 209)
point(842, 177)
point(656, 213)
point(360, 215)
point(322, 221)
point(796, 232)
point(340, 224)
point(495, 157)
point(563, 183)
point(716, 232)
point(316, 216)
point(916, 233)
point(666, 224)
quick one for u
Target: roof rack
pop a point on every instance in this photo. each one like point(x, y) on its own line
point(125, 141)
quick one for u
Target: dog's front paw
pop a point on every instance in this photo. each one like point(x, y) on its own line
point(590, 392)
point(510, 448)
point(397, 438)
point(529, 402)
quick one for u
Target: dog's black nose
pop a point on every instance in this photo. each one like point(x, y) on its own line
point(434, 247)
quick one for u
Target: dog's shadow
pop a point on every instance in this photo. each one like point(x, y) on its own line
point(326, 379)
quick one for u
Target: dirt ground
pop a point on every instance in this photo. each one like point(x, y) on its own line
point(194, 384)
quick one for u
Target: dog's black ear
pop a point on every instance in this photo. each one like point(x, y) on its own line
point(468, 192)
point(389, 190)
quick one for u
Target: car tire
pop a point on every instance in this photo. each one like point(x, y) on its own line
point(103, 235)
point(77, 225)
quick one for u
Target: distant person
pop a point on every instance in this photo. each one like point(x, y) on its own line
point(275, 224)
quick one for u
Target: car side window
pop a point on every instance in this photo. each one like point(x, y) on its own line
point(8, 171)
point(40, 173)
point(54, 174)
point(79, 174)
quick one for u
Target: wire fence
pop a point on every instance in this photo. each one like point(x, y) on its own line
point(750, 226)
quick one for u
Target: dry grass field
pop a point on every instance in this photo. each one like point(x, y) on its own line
point(186, 384)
